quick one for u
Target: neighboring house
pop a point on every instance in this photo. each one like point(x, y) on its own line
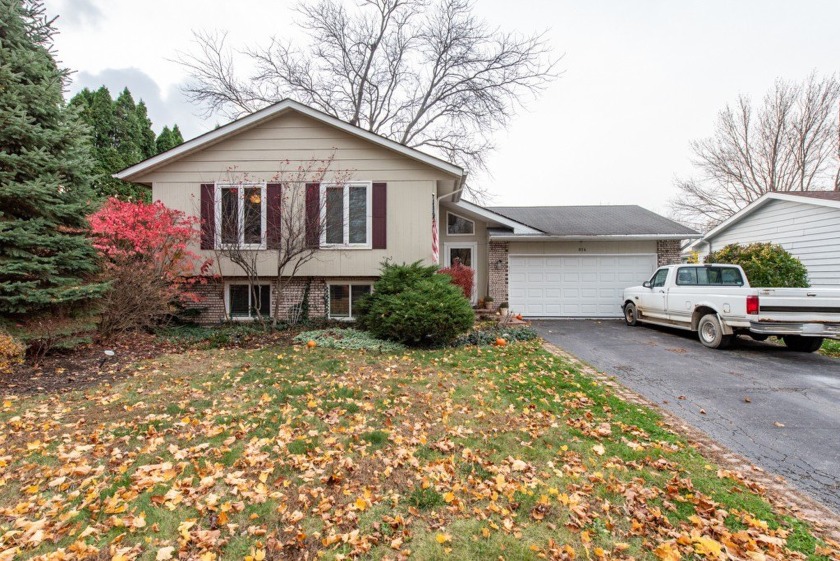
point(547, 261)
point(807, 224)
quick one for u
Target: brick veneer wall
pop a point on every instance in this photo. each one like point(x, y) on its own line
point(212, 293)
point(498, 278)
point(667, 252)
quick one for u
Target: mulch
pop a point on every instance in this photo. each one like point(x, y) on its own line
point(88, 365)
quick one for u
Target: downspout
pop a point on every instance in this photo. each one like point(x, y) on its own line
point(456, 193)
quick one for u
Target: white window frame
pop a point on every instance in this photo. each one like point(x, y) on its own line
point(350, 316)
point(217, 207)
point(368, 185)
point(250, 317)
point(448, 233)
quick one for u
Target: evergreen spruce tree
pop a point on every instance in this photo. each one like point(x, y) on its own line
point(45, 164)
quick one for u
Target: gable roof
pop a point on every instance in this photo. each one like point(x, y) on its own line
point(615, 221)
point(819, 198)
point(254, 119)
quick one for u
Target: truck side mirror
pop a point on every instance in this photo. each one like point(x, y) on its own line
point(646, 284)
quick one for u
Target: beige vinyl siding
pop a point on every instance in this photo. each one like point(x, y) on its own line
point(290, 140)
point(582, 248)
point(810, 232)
point(482, 247)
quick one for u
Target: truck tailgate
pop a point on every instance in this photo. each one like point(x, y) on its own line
point(811, 305)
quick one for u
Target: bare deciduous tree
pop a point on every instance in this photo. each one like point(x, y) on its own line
point(284, 230)
point(788, 143)
point(428, 74)
point(299, 220)
point(239, 227)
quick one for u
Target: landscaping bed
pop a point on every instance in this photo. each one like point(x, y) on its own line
point(298, 452)
point(86, 364)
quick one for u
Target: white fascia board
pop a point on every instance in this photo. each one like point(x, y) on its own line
point(518, 227)
point(610, 237)
point(269, 112)
point(807, 200)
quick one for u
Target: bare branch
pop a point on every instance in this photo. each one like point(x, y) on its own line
point(789, 143)
point(428, 74)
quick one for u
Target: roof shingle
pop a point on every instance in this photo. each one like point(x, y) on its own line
point(618, 220)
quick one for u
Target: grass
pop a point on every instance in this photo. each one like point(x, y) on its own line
point(831, 347)
point(470, 453)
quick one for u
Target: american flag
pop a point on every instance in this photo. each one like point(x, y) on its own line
point(435, 249)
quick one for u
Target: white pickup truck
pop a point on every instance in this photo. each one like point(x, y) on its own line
point(718, 303)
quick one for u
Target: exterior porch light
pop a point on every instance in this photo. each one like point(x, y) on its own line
point(498, 264)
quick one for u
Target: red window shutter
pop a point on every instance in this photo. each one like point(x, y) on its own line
point(379, 213)
point(313, 214)
point(208, 215)
point(273, 220)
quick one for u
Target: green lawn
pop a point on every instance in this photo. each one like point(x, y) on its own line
point(831, 347)
point(289, 453)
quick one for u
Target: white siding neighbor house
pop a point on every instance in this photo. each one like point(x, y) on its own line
point(807, 224)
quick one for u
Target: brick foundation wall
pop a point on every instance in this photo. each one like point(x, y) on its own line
point(667, 252)
point(498, 278)
point(212, 293)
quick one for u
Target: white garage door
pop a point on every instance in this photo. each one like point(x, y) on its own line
point(574, 285)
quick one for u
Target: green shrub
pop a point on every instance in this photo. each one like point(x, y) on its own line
point(765, 264)
point(488, 336)
point(413, 305)
point(348, 339)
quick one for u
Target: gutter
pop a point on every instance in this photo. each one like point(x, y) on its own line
point(608, 237)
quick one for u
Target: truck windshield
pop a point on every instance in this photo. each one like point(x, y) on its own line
point(709, 276)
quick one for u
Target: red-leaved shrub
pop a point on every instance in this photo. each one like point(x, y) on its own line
point(146, 256)
point(462, 276)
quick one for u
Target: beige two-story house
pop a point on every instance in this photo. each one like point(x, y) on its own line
point(382, 201)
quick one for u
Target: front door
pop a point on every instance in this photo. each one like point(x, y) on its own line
point(652, 302)
point(466, 254)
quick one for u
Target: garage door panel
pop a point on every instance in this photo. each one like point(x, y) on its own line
point(574, 286)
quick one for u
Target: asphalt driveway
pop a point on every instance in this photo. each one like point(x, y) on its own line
point(778, 408)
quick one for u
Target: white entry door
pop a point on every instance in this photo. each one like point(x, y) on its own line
point(574, 285)
point(465, 253)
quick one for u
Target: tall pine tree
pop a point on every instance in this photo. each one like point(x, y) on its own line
point(45, 256)
point(122, 136)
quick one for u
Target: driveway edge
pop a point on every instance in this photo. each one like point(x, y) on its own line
point(782, 495)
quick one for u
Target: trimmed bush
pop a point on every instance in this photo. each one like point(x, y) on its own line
point(348, 339)
point(765, 264)
point(413, 305)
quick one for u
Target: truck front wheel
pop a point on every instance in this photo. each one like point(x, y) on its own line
point(710, 333)
point(802, 344)
point(631, 314)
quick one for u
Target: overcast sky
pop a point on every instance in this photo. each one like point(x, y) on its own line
point(641, 78)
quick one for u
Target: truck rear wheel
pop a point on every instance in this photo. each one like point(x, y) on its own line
point(802, 344)
point(631, 314)
point(710, 333)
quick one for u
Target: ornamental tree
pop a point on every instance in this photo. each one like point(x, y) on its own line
point(146, 256)
point(461, 276)
point(46, 258)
